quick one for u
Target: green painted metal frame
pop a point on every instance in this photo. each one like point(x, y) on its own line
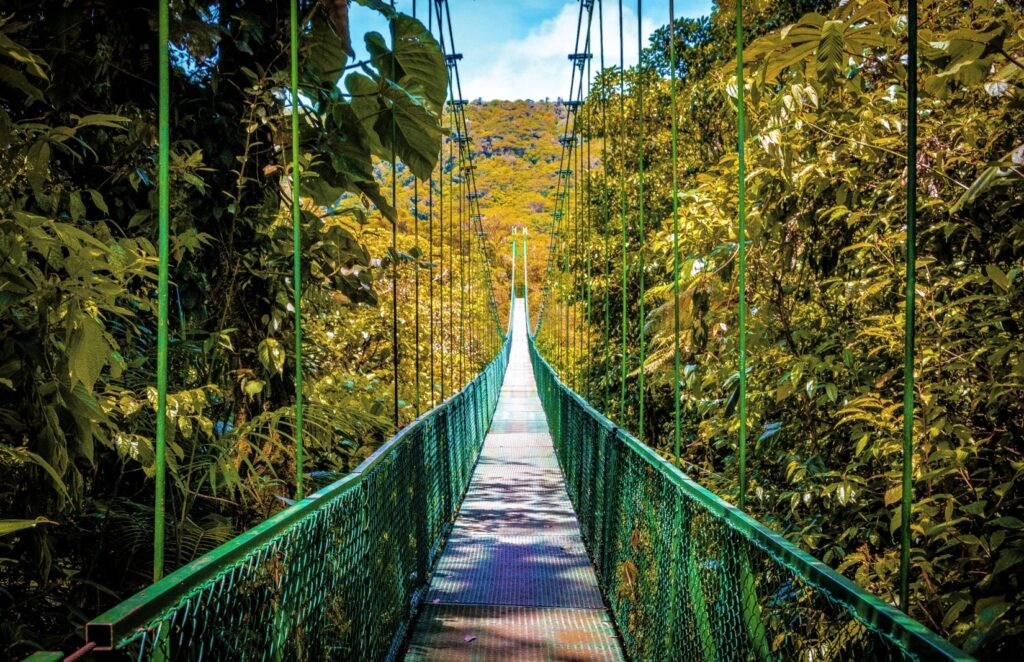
point(142, 615)
point(885, 626)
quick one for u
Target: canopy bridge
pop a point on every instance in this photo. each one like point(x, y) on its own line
point(513, 520)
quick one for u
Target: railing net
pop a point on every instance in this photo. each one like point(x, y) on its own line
point(336, 576)
point(689, 577)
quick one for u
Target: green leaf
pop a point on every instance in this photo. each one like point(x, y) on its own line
point(325, 51)
point(954, 612)
point(253, 387)
point(379, 6)
point(28, 457)
point(17, 80)
point(87, 353)
point(830, 54)
point(1008, 522)
point(416, 133)
point(75, 206)
point(108, 121)
point(9, 526)
point(996, 275)
point(271, 354)
point(421, 63)
point(97, 199)
point(1007, 559)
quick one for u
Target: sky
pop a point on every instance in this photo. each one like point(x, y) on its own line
point(519, 50)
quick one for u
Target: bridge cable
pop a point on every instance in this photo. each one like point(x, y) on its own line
point(452, 195)
point(395, 357)
point(416, 271)
point(643, 237)
point(470, 211)
point(430, 247)
point(555, 246)
point(296, 246)
point(622, 215)
point(440, 238)
point(580, 60)
point(909, 312)
point(741, 237)
point(606, 381)
point(588, 338)
point(162, 288)
point(678, 427)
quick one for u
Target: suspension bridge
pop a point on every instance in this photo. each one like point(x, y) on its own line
point(513, 520)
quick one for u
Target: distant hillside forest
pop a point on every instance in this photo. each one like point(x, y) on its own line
point(516, 154)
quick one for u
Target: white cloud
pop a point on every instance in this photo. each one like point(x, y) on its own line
point(537, 65)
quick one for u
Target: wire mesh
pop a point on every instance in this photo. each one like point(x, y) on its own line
point(689, 577)
point(338, 575)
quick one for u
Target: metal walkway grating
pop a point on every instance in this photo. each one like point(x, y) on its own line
point(514, 581)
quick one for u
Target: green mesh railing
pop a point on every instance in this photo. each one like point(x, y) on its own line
point(338, 575)
point(689, 577)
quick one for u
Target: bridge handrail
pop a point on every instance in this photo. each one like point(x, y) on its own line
point(881, 625)
point(174, 614)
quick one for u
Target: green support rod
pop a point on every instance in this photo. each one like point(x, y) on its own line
point(643, 238)
point(162, 297)
point(430, 254)
point(462, 274)
point(396, 358)
point(440, 265)
point(677, 408)
point(526, 282)
point(909, 313)
point(676, 404)
point(741, 237)
point(622, 217)
point(606, 209)
point(452, 195)
point(512, 298)
point(430, 287)
point(296, 247)
point(588, 349)
point(416, 271)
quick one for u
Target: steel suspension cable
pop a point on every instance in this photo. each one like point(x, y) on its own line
point(296, 246)
point(395, 356)
point(430, 241)
point(557, 224)
point(909, 309)
point(569, 273)
point(642, 229)
point(741, 236)
point(430, 286)
point(440, 232)
point(453, 194)
point(467, 175)
point(440, 275)
point(588, 339)
point(416, 273)
point(622, 213)
point(606, 376)
point(462, 273)
point(677, 396)
point(465, 158)
point(163, 160)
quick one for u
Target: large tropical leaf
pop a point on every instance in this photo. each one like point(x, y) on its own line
point(326, 51)
point(830, 53)
point(411, 128)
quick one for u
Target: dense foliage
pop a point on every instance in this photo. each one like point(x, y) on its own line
point(78, 280)
point(825, 276)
